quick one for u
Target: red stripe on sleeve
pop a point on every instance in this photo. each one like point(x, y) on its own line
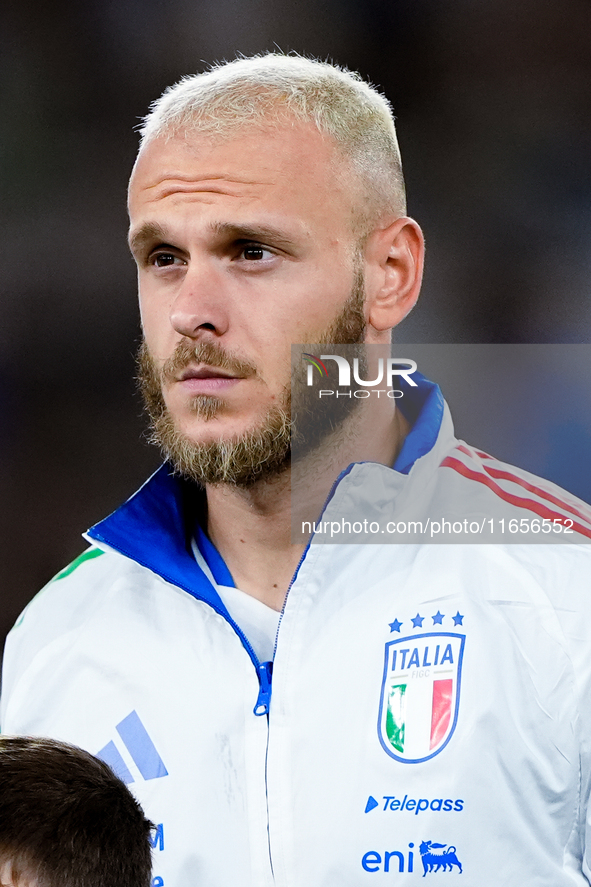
point(529, 504)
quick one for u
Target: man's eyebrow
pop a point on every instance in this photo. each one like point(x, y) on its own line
point(152, 232)
point(262, 232)
point(148, 233)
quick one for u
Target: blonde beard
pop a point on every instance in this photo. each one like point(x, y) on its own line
point(261, 453)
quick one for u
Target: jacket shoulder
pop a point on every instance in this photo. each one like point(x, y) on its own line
point(75, 588)
point(65, 604)
point(513, 492)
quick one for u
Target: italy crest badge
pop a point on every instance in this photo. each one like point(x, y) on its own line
point(420, 695)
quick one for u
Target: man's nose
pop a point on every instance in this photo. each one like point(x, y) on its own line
point(199, 305)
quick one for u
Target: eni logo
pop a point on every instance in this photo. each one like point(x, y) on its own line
point(438, 856)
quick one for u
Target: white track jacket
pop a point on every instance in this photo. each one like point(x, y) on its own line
point(427, 713)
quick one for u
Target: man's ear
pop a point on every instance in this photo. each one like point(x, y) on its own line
point(394, 270)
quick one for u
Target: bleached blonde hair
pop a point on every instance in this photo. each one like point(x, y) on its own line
point(272, 89)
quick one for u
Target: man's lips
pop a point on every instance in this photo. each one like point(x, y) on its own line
point(207, 379)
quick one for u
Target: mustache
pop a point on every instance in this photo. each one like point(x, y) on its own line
point(187, 353)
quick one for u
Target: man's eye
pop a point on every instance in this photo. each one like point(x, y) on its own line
point(255, 253)
point(163, 260)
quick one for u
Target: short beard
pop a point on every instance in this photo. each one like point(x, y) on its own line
point(262, 453)
point(242, 460)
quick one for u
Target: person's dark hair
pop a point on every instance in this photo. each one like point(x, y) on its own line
point(66, 820)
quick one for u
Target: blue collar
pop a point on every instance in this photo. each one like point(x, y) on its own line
point(155, 526)
point(422, 407)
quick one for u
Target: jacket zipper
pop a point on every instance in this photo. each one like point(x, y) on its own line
point(265, 669)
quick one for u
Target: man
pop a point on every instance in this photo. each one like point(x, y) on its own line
point(66, 820)
point(297, 714)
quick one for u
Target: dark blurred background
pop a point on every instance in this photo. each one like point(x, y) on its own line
point(493, 100)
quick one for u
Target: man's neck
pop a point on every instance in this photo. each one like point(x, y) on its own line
point(252, 531)
point(251, 528)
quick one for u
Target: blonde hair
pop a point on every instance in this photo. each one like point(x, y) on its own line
point(272, 89)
